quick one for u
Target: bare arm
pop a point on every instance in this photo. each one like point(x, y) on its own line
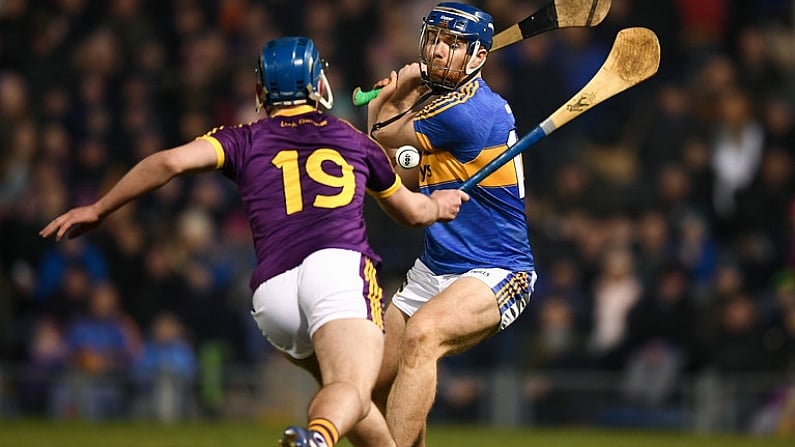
point(398, 93)
point(150, 173)
point(418, 210)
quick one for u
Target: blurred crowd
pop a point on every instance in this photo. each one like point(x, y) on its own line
point(663, 221)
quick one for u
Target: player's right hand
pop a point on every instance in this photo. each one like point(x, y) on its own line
point(449, 203)
point(72, 223)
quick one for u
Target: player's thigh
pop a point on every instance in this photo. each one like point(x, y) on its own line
point(349, 350)
point(343, 302)
point(330, 284)
point(338, 284)
point(457, 318)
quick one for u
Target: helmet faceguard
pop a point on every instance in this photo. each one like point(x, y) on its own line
point(291, 72)
point(453, 24)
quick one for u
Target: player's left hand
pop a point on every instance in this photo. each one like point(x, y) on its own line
point(73, 223)
point(387, 86)
point(409, 78)
point(385, 81)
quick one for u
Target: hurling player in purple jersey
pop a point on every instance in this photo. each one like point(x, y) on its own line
point(476, 273)
point(302, 176)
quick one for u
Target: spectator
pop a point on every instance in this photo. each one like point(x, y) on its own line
point(16, 168)
point(102, 344)
point(778, 317)
point(555, 344)
point(778, 119)
point(737, 344)
point(737, 152)
point(75, 254)
point(47, 356)
point(653, 244)
point(763, 205)
point(697, 250)
point(616, 290)
point(165, 370)
point(758, 71)
point(89, 86)
point(664, 317)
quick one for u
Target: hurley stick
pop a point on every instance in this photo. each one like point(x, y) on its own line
point(634, 57)
point(555, 14)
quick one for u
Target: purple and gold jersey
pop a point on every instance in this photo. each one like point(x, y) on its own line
point(460, 132)
point(302, 176)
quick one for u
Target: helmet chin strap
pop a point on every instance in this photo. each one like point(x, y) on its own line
point(260, 97)
point(472, 72)
point(324, 87)
point(389, 121)
point(259, 104)
point(470, 69)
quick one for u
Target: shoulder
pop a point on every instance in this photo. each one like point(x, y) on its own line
point(235, 128)
point(233, 135)
point(357, 134)
point(451, 102)
point(472, 102)
point(347, 125)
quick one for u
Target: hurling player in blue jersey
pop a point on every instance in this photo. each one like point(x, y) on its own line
point(302, 176)
point(476, 273)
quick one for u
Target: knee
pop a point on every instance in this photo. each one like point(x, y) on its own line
point(420, 343)
point(365, 401)
point(347, 392)
point(363, 397)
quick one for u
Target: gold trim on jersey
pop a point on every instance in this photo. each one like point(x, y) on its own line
point(442, 167)
point(219, 150)
point(451, 99)
point(387, 192)
point(292, 111)
point(424, 142)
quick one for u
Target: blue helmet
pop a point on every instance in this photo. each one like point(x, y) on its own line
point(458, 21)
point(290, 72)
point(466, 20)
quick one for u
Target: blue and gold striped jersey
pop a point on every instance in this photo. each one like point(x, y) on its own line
point(460, 132)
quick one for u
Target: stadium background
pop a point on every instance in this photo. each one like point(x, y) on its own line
point(663, 221)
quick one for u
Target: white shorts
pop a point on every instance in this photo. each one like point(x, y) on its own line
point(331, 284)
point(512, 290)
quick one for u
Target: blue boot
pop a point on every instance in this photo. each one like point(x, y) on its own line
point(295, 436)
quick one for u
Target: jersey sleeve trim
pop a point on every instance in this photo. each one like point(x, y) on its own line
point(424, 141)
point(219, 150)
point(293, 111)
point(449, 100)
point(387, 192)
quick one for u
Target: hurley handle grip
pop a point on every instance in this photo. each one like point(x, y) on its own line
point(361, 97)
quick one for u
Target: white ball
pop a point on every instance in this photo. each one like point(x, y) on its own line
point(407, 156)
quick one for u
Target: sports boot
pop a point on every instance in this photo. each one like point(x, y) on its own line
point(295, 436)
